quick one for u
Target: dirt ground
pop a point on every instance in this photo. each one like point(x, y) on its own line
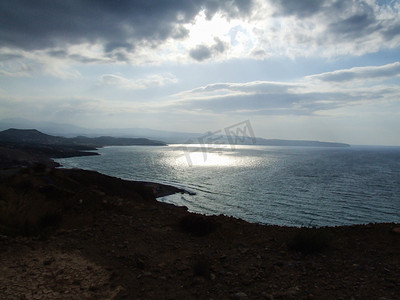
point(113, 240)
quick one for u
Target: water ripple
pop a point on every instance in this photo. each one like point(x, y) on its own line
point(283, 186)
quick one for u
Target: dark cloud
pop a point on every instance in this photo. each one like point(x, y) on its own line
point(329, 8)
point(120, 56)
point(261, 53)
point(124, 26)
point(179, 33)
point(84, 59)
point(111, 46)
point(355, 26)
point(302, 8)
point(391, 31)
point(41, 24)
point(219, 46)
point(9, 56)
point(202, 52)
point(63, 54)
point(58, 53)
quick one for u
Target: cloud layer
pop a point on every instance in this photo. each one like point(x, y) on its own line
point(120, 27)
point(138, 84)
point(361, 73)
point(317, 94)
point(141, 32)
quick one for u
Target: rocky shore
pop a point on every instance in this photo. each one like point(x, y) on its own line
point(75, 234)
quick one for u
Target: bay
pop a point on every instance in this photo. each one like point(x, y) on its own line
point(295, 186)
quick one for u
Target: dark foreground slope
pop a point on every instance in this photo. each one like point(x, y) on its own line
point(74, 234)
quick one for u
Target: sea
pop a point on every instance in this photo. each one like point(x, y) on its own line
point(293, 186)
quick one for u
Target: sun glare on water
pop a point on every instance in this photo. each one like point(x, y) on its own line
point(199, 158)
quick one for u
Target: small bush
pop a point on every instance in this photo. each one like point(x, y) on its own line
point(198, 225)
point(310, 241)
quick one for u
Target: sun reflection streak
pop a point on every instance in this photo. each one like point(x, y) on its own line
point(208, 159)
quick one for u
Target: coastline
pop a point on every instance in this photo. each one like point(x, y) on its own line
point(82, 234)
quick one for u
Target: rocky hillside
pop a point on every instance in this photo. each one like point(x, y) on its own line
point(74, 234)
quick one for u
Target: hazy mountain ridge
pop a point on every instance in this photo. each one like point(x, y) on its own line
point(298, 143)
point(68, 130)
point(33, 136)
point(30, 136)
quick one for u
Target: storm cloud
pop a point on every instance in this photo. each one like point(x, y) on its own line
point(203, 52)
point(33, 25)
point(304, 8)
point(131, 31)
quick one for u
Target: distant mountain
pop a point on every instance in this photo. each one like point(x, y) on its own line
point(169, 137)
point(69, 130)
point(58, 129)
point(30, 136)
point(115, 141)
point(33, 136)
point(298, 143)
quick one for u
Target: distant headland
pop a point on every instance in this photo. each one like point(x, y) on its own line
point(24, 147)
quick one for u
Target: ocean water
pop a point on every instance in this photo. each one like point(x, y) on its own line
point(293, 186)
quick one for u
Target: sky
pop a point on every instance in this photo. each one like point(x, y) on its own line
point(325, 70)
